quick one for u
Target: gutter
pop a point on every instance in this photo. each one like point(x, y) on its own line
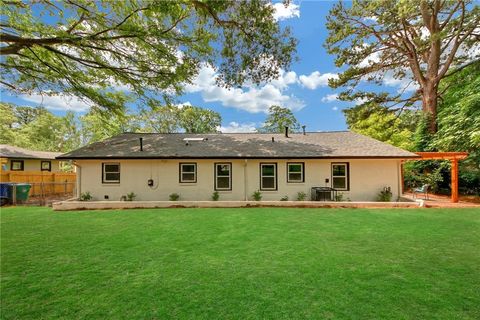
point(79, 179)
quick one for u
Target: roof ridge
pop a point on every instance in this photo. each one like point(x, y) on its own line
point(220, 133)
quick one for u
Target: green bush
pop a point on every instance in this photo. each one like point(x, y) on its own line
point(339, 197)
point(174, 197)
point(301, 196)
point(215, 196)
point(257, 195)
point(284, 198)
point(85, 196)
point(385, 195)
point(131, 196)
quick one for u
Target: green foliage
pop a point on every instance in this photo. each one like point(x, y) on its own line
point(278, 118)
point(174, 197)
point(378, 122)
point(131, 196)
point(96, 49)
point(198, 120)
point(284, 198)
point(385, 195)
point(215, 196)
point(85, 196)
point(301, 196)
point(339, 196)
point(257, 195)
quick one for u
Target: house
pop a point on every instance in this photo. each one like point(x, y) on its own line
point(20, 159)
point(153, 166)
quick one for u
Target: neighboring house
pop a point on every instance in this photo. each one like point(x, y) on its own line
point(153, 166)
point(19, 159)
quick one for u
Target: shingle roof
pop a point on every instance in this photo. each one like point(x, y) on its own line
point(7, 151)
point(342, 144)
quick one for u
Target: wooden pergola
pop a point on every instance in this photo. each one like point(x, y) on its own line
point(453, 157)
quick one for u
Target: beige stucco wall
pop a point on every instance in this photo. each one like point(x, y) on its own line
point(367, 178)
point(34, 164)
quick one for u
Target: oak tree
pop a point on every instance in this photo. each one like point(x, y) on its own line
point(95, 49)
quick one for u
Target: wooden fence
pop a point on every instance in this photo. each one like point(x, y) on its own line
point(43, 183)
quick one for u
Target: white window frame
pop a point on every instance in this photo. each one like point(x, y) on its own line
point(346, 176)
point(302, 172)
point(194, 164)
point(104, 173)
point(274, 176)
point(229, 164)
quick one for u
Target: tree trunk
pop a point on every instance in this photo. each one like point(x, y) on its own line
point(429, 105)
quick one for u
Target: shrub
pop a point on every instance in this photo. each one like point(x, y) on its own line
point(85, 196)
point(257, 195)
point(215, 196)
point(301, 196)
point(131, 196)
point(339, 197)
point(385, 195)
point(174, 196)
point(284, 198)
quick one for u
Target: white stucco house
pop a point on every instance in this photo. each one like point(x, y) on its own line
point(153, 166)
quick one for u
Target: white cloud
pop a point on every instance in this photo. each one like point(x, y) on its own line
point(252, 99)
point(404, 85)
point(234, 127)
point(283, 12)
point(335, 108)
point(57, 102)
point(316, 79)
point(285, 79)
point(330, 98)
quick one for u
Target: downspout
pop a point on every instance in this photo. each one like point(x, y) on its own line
point(245, 182)
point(79, 179)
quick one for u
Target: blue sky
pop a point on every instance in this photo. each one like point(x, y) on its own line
point(303, 88)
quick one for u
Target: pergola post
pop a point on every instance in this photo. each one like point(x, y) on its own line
point(454, 174)
point(454, 157)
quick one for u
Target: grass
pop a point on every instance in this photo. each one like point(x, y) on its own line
point(270, 263)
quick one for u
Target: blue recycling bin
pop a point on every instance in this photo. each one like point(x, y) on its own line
point(6, 193)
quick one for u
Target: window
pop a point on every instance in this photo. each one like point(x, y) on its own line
point(295, 172)
point(223, 176)
point(110, 172)
point(16, 165)
point(340, 172)
point(268, 176)
point(188, 172)
point(46, 166)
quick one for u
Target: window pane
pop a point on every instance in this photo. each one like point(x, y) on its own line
point(223, 170)
point(17, 165)
point(112, 168)
point(338, 170)
point(295, 168)
point(339, 183)
point(188, 168)
point(268, 170)
point(268, 183)
point(295, 177)
point(223, 183)
point(188, 177)
point(112, 176)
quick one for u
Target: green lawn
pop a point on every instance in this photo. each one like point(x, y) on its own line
point(269, 263)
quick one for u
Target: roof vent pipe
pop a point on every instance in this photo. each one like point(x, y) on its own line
point(141, 144)
point(286, 132)
point(303, 128)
